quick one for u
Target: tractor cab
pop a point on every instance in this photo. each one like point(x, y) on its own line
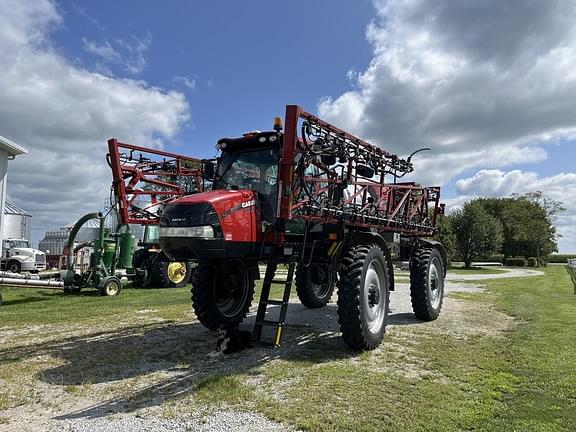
point(232, 219)
point(251, 163)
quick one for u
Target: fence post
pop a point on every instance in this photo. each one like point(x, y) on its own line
point(572, 270)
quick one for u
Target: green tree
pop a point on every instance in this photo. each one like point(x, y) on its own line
point(445, 235)
point(476, 231)
point(527, 221)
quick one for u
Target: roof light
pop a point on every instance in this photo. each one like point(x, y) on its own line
point(277, 124)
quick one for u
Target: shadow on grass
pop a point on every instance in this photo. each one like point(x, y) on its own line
point(179, 352)
point(403, 318)
point(35, 299)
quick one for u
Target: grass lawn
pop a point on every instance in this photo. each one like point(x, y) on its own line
point(420, 379)
point(476, 270)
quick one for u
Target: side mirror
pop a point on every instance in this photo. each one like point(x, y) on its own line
point(209, 171)
point(364, 171)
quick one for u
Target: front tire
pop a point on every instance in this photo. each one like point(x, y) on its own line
point(363, 296)
point(13, 266)
point(222, 294)
point(314, 285)
point(427, 283)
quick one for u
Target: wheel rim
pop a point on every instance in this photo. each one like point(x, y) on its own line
point(318, 279)
point(13, 268)
point(435, 283)
point(112, 287)
point(176, 272)
point(231, 293)
point(374, 297)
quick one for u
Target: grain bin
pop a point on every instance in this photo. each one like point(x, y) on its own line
point(17, 223)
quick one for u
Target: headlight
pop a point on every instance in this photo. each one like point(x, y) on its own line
point(203, 231)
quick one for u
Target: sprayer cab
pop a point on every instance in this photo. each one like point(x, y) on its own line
point(232, 219)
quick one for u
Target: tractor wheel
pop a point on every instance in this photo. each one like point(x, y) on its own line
point(13, 266)
point(110, 286)
point(166, 274)
point(222, 294)
point(314, 285)
point(427, 283)
point(0, 299)
point(363, 296)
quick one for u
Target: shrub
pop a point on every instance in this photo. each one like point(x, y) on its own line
point(559, 258)
point(516, 262)
point(532, 262)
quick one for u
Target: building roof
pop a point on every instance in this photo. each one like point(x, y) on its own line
point(10, 208)
point(91, 223)
point(11, 147)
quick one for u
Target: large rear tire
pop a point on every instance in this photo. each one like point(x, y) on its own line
point(314, 285)
point(363, 296)
point(222, 294)
point(163, 272)
point(170, 274)
point(427, 283)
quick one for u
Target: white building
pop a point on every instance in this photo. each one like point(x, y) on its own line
point(8, 151)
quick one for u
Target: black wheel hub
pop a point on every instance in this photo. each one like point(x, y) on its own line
point(373, 296)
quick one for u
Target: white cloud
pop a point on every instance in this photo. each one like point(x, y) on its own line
point(64, 114)
point(186, 81)
point(496, 183)
point(129, 55)
point(484, 83)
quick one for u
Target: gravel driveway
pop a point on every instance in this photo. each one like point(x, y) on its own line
point(307, 327)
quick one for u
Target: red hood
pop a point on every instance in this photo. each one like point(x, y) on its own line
point(217, 198)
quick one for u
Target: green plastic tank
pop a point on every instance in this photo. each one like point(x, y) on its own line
point(127, 245)
point(109, 252)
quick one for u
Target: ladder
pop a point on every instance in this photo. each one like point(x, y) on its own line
point(265, 301)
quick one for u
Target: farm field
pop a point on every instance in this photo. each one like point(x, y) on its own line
point(500, 357)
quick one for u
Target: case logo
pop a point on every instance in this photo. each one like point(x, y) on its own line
point(247, 204)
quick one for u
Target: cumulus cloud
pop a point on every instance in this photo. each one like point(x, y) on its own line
point(64, 114)
point(496, 183)
point(484, 83)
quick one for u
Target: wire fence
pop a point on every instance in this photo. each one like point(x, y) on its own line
point(572, 270)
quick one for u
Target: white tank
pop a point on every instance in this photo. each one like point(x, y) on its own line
point(17, 222)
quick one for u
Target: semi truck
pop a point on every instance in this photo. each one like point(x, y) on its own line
point(18, 256)
point(324, 203)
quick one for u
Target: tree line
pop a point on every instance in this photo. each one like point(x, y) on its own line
point(517, 226)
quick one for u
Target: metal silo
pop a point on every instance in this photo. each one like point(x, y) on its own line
point(17, 222)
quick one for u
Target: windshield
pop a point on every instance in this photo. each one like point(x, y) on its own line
point(255, 170)
point(19, 244)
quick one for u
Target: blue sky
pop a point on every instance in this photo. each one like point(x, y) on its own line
point(246, 59)
point(490, 86)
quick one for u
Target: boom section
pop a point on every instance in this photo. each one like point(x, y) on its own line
point(145, 180)
point(328, 175)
